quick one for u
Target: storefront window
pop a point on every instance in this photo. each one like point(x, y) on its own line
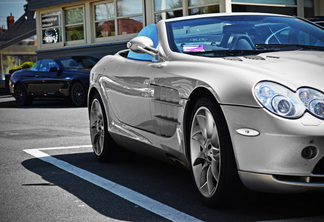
point(74, 28)
point(161, 5)
point(105, 19)
point(204, 10)
point(51, 27)
point(309, 10)
point(208, 6)
point(167, 15)
point(286, 7)
point(11, 61)
point(130, 25)
point(165, 9)
point(129, 7)
point(266, 9)
point(104, 11)
point(201, 2)
point(130, 16)
point(271, 2)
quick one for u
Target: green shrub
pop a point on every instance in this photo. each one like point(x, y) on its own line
point(25, 65)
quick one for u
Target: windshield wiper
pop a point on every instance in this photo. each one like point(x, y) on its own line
point(222, 53)
point(287, 47)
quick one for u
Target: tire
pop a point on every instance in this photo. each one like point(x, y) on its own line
point(22, 99)
point(104, 147)
point(78, 94)
point(213, 166)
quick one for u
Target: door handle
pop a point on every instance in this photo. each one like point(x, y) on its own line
point(36, 75)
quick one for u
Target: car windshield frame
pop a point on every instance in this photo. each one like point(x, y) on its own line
point(219, 36)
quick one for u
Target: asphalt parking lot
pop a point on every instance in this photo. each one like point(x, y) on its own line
point(49, 173)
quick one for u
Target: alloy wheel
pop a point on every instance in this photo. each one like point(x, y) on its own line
point(78, 94)
point(97, 127)
point(205, 152)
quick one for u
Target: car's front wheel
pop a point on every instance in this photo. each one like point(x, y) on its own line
point(21, 96)
point(211, 155)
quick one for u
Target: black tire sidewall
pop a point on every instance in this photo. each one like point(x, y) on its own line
point(26, 100)
point(106, 154)
point(228, 179)
point(84, 102)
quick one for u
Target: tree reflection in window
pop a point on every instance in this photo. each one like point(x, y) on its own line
point(104, 17)
point(74, 24)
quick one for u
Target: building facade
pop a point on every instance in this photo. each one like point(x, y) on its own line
point(98, 28)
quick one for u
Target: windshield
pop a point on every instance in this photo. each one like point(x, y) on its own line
point(243, 34)
point(78, 62)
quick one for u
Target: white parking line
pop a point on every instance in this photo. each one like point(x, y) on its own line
point(124, 192)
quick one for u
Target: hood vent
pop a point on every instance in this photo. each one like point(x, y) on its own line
point(233, 59)
point(273, 57)
point(254, 57)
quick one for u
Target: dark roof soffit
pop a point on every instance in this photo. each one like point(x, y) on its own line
point(36, 4)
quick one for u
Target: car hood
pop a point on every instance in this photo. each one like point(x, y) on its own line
point(292, 68)
point(232, 79)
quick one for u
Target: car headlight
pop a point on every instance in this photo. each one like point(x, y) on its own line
point(313, 100)
point(279, 99)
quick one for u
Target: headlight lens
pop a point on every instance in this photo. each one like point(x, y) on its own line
point(279, 100)
point(282, 105)
point(313, 100)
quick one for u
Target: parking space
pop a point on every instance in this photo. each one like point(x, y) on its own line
point(49, 172)
point(119, 190)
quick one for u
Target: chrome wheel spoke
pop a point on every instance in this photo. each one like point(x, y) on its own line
point(214, 137)
point(207, 182)
point(215, 170)
point(203, 177)
point(93, 125)
point(200, 159)
point(211, 183)
point(201, 120)
point(205, 151)
point(199, 138)
point(96, 143)
point(210, 124)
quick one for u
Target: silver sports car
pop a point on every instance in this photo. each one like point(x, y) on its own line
point(236, 98)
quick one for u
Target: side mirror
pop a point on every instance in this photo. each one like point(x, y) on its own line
point(53, 69)
point(142, 44)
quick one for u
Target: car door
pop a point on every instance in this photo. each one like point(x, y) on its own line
point(165, 104)
point(28, 78)
point(47, 81)
point(129, 92)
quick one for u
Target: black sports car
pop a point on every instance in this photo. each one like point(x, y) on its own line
point(52, 79)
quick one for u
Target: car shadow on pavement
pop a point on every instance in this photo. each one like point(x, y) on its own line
point(38, 104)
point(170, 185)
point(8, 104)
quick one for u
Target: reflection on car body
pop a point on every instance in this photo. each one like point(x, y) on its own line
point(236, 98)
point(50, 79)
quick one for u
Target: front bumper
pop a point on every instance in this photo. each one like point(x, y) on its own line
point(11, 87)
point(274, 159)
